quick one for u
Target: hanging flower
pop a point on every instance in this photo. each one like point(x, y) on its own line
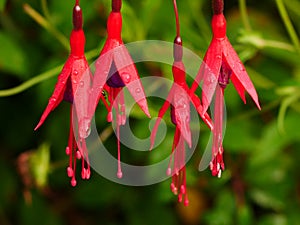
point(221, 64)
point(179, 99)
point(68, 82)
point(114, 70)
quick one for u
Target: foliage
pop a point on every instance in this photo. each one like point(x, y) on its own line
point(260, 184)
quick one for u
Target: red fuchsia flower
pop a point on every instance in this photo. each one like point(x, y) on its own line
point(68, 82)
point(114, 70)
point(179, 99)
point(221, 64)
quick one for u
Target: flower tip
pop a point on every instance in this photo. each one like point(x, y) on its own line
point(119, 174)
point(257, 104)
point(186, 202)
point(70, 172)
point(144, 106)
point(73, 182)
point(37, 127)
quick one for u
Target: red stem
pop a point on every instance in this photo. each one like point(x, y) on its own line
point(176, 18)
point(177, 52)
point(77, 16)
point(116, 5)
point(218, 6)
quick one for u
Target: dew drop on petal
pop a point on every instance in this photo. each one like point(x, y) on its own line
point(75, 72)
point(138, 90)
point(211, 79)
point(81, 84)
point(218, 57)
point(127, 78)
point(169, 171)
point(52, 100)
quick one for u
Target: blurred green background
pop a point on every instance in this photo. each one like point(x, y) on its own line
point(260, 184)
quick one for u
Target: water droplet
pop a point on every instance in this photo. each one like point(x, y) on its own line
point(75, 72)
point(169, 171)
point(84, 128)
point(81, 84)
point(126, 77)
point(211, 79)
point(74, 81)
point(218, 57)
point(138, 90)
point(52, 100)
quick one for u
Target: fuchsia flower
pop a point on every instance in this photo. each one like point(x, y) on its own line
point(221, 64)
point(114, 70)
point(179, 99)
point(68, 82)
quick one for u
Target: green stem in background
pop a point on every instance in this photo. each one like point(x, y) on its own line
point(45, 9)
point(200, 19)
point(254, 112)
point(244, 14)
point(41, 77)
point(287, 102)
point(288, 24)
point(45, 24)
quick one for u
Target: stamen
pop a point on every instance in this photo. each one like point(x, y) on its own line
point(73, 181)
point(78, 154)
point(119, 173)
point(70, 172)
point(68, 151)
point(186, 200)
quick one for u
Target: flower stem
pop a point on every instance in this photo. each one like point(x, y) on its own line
point(218, 6)
point(244, 14)
point(176, 18)
point(288, 24)
point(116, 5)
point(40, 78)
point(45, 9)
point(42, 21)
